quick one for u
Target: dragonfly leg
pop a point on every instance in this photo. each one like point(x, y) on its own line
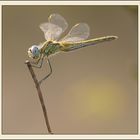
point(48, 73)
point(37, 64)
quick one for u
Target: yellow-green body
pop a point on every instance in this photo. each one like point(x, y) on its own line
point(51, 47)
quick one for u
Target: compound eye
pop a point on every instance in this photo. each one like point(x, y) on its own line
point(35, 50)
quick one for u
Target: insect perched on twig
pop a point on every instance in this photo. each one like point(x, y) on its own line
point(75, 39)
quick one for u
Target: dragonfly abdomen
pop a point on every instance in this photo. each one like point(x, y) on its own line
point(73, 46)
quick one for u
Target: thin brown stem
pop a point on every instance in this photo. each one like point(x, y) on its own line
point(39, 95)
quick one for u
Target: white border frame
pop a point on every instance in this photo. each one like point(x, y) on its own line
point(48, 136)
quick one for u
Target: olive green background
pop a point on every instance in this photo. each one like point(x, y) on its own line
point(91, 91)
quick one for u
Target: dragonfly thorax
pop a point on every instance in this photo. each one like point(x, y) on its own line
point(51, 47)
point(34, 52)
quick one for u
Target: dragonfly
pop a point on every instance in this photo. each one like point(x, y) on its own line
point(76, 38)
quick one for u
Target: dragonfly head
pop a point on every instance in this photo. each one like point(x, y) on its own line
point(34, 52)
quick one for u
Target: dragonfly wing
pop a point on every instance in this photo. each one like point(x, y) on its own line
point(79, 32)
point(51, 31)
point(59, 21)
point(55, 26)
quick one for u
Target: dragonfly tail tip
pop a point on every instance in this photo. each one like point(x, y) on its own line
point(115, 37)
point(112, 37)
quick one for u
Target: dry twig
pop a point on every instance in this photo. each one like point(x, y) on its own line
point(39, 95)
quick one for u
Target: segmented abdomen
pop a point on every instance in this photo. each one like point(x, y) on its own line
point(65, 46)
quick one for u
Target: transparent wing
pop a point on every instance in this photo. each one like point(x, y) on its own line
point(59, 21)
point(79, 32)
point(51, 31)
point(55, 26)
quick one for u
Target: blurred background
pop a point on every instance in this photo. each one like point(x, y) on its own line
point(91, 91)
